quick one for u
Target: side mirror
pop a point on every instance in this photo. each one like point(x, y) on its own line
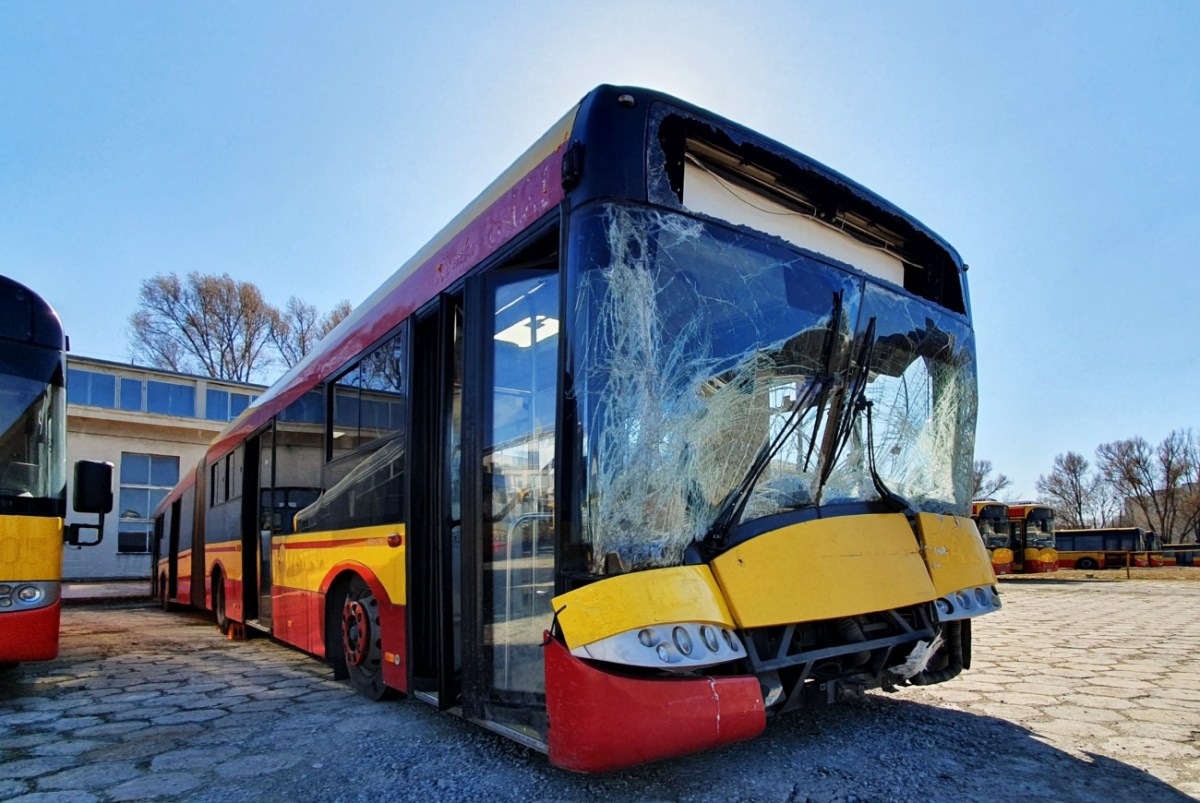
point(91, 493)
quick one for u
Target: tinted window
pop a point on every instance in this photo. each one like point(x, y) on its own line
point(89, 387)
point(170, 399)
point(216, 405)
point(131, 394)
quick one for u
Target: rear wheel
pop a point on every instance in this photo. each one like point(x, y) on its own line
point(218, 603)
point(1085, 563)
point(361, 643)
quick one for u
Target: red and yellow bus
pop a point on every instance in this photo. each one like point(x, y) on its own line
point(1034, 550)
point(671, 415)
point(33, 476)
point(991, 519)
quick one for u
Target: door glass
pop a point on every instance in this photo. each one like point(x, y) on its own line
point(268, 524)
point(518, 485)
point(453, 480)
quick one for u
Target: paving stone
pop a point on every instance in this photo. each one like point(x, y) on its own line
point(261, 763)
point(33, 767)
point(111, 728)
point(160, 784)
point(58, 796)
point(92, 777)
point(11, 788)
point(18, 742)
point(180, 717)
point(189, 758)
point(68, 747)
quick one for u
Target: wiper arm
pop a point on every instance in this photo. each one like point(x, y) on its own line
point(735, 503)
point(859, 403)
point(818, 387)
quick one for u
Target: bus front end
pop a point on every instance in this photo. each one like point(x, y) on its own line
point(774, 455)
point(991, 518)
point(32, 475)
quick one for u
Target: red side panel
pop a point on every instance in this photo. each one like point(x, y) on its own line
point(30, 635)
point(291, 610)
point(1002, 568)
point(183, 590)
point(601, 720)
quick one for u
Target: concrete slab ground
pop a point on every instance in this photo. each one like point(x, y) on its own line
point(1078, 692)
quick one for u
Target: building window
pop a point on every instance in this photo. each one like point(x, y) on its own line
point(145, 481)
point(166, 398)
point(131, 394)
point(91, 388)
point(222, 405)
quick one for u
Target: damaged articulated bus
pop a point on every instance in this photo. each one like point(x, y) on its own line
point(670, 431)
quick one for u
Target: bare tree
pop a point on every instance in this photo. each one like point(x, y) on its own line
point(987, 486)
point(1159, 482)
point(1071, 489)
point(299, 326)
point(211, 325)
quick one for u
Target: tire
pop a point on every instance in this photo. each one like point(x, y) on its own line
point(1085, 563)
point(361, 648)
point(218, 599)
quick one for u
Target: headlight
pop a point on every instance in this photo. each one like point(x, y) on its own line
point(27, 596)
point(967, 603)
point(682, 646)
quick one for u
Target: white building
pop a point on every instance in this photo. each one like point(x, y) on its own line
point(153, 426)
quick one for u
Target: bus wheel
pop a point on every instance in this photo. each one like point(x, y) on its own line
point(361, 643)
point(1085, 563)
point(218, 598)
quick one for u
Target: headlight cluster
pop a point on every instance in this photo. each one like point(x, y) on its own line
point(684, 645)
point(27, 596)
point(967, 603)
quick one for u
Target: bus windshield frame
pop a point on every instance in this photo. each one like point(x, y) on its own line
point(696, 343)
point(32, 431)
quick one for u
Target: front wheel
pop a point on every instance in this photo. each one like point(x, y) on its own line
point(362, 644)
point(1085, 563)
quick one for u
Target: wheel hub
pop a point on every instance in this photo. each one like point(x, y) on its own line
point(355, 632)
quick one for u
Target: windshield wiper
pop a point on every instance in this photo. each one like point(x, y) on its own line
point(859, 403)
point(817, 388)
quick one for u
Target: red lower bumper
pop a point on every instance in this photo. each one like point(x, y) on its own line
point(30, 635)
point(1002, 568)
point(602, 720)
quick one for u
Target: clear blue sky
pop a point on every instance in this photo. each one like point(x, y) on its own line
point(312, 147)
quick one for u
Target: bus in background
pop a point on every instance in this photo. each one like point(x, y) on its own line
point(663, 433)
point(991, 519)
point(33, 476)
point(1034, 549)
point(1107, 548)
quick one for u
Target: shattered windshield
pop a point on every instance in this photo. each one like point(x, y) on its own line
point(715, 370)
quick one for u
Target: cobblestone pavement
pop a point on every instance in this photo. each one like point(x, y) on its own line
point(1079, 691)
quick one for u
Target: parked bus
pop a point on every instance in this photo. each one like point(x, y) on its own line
point(669, 430)
point(991, 519)
point(1108, 548)
point(33, 476)
point(1033, 538)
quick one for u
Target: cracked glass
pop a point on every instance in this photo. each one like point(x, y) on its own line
point(721, 377)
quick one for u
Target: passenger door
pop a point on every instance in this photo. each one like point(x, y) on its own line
point(512, 525)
